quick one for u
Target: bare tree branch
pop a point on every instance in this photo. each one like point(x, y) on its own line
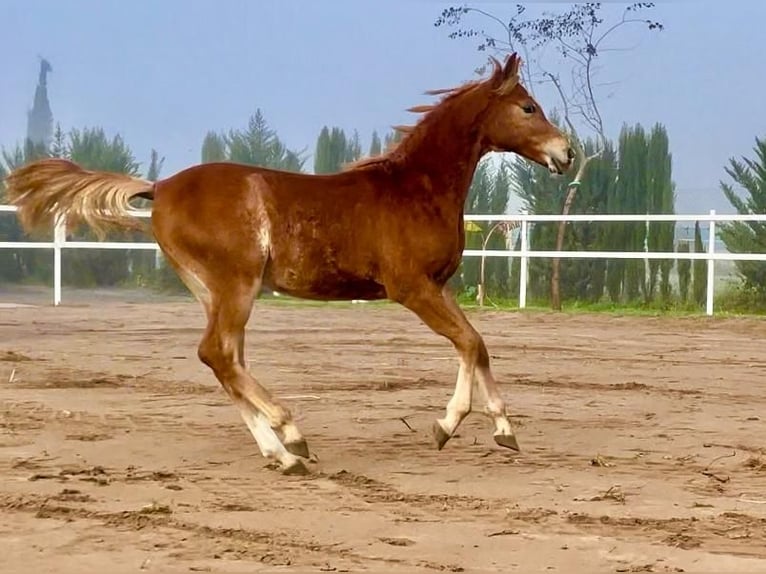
point(576, 33)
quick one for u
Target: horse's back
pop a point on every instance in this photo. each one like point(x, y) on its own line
point(314, 236)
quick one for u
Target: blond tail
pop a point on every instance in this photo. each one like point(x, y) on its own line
point(48, 188)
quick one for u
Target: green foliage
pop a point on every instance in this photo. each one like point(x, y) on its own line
point(699, 268)
point(635, 178)
point(257, 144)
point(660, 199)
point(576, 35)
point(543, 194)
point(334, 150)
point(353, 148)
point(213, 148)
point(644, 185)
point(375, 145)
point(391, 139)
point(322, 155)
point(684, 274)
point(631, 189)
point(92, 149)
point(750, 236)
point(155, 166)
point(58, 144)
point(488, 194)
point(21, 264)
point(741, 298)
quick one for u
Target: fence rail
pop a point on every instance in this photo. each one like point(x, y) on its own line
point(524, 253)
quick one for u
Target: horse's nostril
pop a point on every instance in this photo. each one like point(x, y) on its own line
point(571, 153)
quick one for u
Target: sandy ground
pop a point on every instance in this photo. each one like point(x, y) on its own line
point(643, 444)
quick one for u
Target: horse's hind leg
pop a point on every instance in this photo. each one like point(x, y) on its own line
point(222, 349)
point(228, 306)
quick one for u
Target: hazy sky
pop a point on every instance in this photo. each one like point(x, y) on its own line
point(162, 73)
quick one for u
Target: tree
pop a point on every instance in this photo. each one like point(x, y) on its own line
point(353, 151)
point(92, 149)
point(699, 268)
point(488, 194)
point(631, 188)
point(661, 199)
point(542, 194)
point(155, 166)
point(58, 145)
point(213, 148)
point(23, 263)
point(684, 274)
point(142, 263)
point(334, 150)
point(322, 152)
point(375, 145)
point(257, 144)
point(392, 138)
point(644, 185)
point(579, 35)
point(747, 236)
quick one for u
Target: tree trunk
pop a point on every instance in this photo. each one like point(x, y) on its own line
point(556, 262)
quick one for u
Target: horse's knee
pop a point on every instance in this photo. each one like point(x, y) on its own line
point(206, 353)
point(217, 355)
point(472, 347)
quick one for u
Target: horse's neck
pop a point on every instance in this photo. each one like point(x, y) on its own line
point(448, 155)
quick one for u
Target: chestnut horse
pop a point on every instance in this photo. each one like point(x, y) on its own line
point(387, 227)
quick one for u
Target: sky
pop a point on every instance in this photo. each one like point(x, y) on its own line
point(162, 74)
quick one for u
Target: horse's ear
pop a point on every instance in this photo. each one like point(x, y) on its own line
point(497, 67)
point(510, 73)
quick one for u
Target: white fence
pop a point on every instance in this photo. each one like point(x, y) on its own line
point(60, 243)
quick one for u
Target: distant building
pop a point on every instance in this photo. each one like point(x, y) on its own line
point(40, 117)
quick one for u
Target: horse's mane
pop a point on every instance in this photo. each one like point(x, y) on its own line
point(413, 133)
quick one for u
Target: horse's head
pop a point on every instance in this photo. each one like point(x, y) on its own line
point(515, 122)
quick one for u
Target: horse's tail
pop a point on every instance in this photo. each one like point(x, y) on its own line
point(48, 188)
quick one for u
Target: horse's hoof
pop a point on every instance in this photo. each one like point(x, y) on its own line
point(507, 441)
point(297, 468)
point(298, 448)
point(440, 435)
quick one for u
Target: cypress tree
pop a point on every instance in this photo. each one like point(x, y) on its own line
point(375, 145)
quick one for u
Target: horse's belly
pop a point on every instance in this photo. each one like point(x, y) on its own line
point(321, 282)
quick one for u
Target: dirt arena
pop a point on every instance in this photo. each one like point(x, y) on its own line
point(643, 444)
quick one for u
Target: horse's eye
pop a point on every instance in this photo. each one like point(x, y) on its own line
point(529, 109)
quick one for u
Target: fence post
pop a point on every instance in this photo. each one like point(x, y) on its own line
point(523, 260)
point(59, 238)
point(710, 265)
